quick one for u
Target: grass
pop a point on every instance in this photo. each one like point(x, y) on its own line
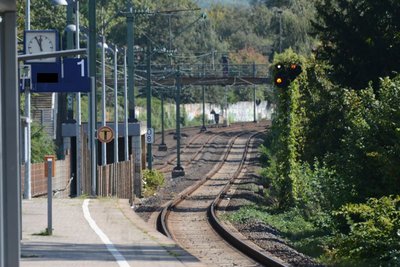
point(298, 232)
point(42, 233)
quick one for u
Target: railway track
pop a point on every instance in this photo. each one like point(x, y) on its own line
point(195, 145)
point(190, 218)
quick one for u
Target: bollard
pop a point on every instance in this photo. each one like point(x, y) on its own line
point(49, 197)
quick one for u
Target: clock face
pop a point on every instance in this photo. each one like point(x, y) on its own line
point(40, 42)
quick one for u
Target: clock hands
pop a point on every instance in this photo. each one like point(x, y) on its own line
point(39, 41)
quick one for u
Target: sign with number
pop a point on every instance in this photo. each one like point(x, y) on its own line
point(150, 136)
point(105, 134)
point(70, 75)
point(75, 75)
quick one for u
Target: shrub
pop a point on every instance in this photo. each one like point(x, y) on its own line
point(373, 233)
point(41, 143)
point(152, 180)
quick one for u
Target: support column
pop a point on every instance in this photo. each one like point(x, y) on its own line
point(148, 105)
point(203, 128)
point(10, 177)
point(92, 100)
point(178, 169)
point(162, 146)
point(130, 20)
point(254, 95)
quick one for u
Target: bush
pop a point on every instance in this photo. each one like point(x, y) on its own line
point(152, 180)
point(41, 143)
point(373, 233)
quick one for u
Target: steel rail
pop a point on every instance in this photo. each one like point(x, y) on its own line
point(248, 248)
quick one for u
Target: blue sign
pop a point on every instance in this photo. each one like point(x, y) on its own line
point(70, 75)
point(45, 76)
point(76, 78)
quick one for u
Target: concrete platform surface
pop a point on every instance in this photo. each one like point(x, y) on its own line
point(94, 232)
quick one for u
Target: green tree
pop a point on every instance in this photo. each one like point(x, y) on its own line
point(42, 144)
point(360, 39)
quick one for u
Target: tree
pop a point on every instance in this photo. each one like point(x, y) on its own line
point(361, 39)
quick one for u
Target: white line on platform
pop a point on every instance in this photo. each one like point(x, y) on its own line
point(110, 246)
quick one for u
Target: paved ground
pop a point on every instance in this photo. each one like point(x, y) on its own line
point(95, 232)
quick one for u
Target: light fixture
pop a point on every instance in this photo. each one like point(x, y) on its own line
point(59, 2)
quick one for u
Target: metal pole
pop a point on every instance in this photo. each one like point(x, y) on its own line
point(92, 102)
point(103, 97)
point(70, 45)
point(162, 146)
point(170, 37)
point(280, 30)
point(126, 143)
point(178, 170)
point(148, 98)
point(28, 15)
point(10, 176)
point(49, 197)
point(130, 18)
point(203, 128)
point(116, 159)
point(92, 130)
point(79, 112)
point(27, 177)
point(27, 162)
point(254, 95)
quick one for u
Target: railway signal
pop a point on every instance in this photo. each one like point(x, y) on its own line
point(284, 75)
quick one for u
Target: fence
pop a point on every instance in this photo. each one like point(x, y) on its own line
point(61, 180)
point(116, 180)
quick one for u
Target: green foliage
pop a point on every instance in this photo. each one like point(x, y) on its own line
point(169, 113)
point(331, 147)
point(360, 39)
point(41, 143)
point(290, 225)
point(287, 135)
point(152, 180)
point(373, 236)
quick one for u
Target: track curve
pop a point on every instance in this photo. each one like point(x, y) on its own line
point(186, 219)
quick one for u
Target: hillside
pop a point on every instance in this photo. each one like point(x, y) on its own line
point(208, 3)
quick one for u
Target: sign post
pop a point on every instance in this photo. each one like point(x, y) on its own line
point(50, 171)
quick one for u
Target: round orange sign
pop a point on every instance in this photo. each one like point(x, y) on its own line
point(105, 134)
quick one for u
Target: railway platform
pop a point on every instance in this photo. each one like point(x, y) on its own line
point(94, 232)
